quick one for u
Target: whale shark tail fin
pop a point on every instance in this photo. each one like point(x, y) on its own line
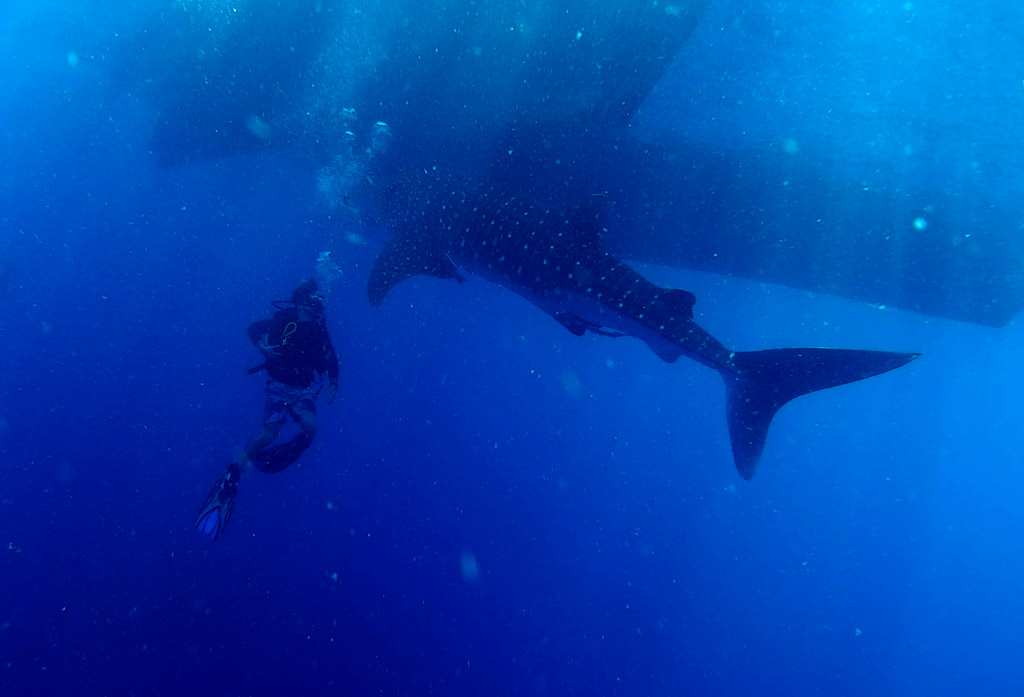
point(765, 380)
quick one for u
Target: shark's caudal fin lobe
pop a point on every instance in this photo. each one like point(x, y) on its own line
point(402, 258)
point(768, 379)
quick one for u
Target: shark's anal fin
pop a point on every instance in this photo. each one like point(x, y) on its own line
point(404, 257)
point(668, 351)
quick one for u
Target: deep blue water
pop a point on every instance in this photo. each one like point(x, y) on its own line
point(493, 506)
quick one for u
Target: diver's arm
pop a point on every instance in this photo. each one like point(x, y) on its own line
point(257, 330)
point(259, 333)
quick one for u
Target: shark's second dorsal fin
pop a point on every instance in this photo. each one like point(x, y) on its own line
point(404, 257)
point(681, 301)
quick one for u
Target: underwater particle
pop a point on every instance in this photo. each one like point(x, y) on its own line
point(327, 271)
point(324, 183)
point(356, 239)
point(790, 146)
point(330, 505)
point(380, 138)
point(469, 566)
point(73, 59)
point(257, 126)
point(571, 383)
point(920, 224)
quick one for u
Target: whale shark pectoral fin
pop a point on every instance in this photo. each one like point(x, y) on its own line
point(404, 257)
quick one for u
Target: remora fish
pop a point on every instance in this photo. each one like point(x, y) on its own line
point(557, 261)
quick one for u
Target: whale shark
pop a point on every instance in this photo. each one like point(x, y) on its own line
point(557, 260)
point(603, 96)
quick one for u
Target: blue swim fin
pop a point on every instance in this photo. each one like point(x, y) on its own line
point(215, 513)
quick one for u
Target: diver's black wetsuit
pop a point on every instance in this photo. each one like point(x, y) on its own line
point(304, 348)
point(301, 353)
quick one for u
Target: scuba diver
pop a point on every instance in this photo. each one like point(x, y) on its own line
point(298, 355)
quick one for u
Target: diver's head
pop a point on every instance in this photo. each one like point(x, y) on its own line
point(307, 298)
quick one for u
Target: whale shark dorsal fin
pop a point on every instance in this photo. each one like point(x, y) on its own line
point(404, 257)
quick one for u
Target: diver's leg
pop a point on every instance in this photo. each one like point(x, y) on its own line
point(275, 410)
point(261, 440)
point(278, 457)
point(305, 416)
